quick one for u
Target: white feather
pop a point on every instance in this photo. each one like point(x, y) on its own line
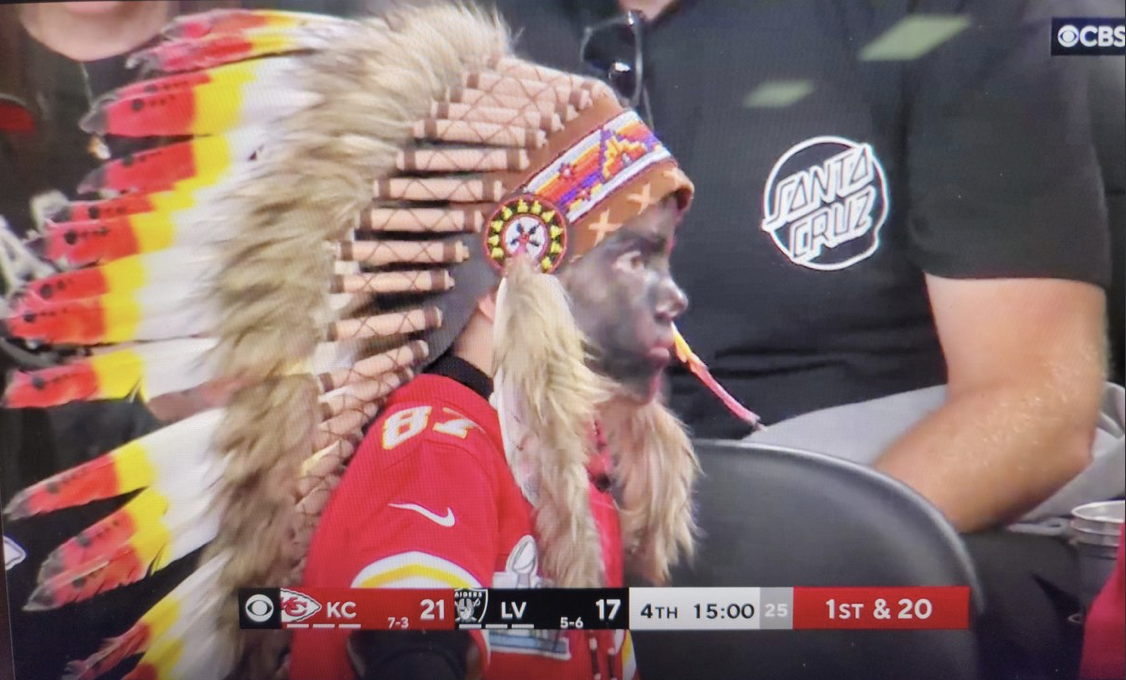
point(179, 449)
point(515, 433)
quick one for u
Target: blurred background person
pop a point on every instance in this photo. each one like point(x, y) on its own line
point(58, 58)
point(892, 196)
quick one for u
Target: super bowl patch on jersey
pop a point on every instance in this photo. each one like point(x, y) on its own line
point(825, 201)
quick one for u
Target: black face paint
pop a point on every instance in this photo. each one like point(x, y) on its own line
point(624, 300)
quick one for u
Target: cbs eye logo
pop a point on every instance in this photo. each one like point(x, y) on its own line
point(1068, 36)
point(1088, 36)
point(259, 608)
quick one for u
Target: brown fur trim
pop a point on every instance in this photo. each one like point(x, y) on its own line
point(267, 430)
point(548, 398)
point(310, 185)
point(656, 471)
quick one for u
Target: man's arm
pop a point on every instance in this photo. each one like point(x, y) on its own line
point(1026, 363)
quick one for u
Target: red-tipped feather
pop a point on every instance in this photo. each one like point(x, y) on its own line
point(104, 536)
point(73, 285)
point(159, 541)
point(216, 49)
point(123, 566)
point(190, 604)
point(238, 21)
point(77, 244)
point(218, 21)
point(232, 96)
point(153, 170)
point(172, 83)
point(120, 206)
point(191, 54)
point(113, 652)
point(170, 453)
point(50, 386)
point(77, 322)
point(90, 481)
point(163, 168)
point(144, 114)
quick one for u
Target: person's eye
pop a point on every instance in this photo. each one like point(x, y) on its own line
point(633, 261)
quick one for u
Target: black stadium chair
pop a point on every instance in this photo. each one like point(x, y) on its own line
point(782, 517)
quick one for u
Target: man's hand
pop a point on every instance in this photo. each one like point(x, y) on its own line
point(1026, 363)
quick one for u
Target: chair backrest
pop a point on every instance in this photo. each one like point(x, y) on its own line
point(783, 517)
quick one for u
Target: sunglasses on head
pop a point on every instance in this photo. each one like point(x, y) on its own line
point(614, 51)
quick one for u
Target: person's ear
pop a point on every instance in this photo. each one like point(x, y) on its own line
point(487, 306)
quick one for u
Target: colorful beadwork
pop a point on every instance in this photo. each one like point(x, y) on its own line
point(597, 165)
point(527, 224)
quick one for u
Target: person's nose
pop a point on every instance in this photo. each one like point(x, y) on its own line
point(672, 301)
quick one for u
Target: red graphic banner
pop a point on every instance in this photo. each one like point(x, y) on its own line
point(368, 609)
point(908, 608)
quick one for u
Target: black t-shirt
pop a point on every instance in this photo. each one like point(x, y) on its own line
point(828, 182)
point(60, 94)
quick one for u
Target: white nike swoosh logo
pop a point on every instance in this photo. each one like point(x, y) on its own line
point(447, 521)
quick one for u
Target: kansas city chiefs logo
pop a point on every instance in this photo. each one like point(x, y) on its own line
point(297, 606)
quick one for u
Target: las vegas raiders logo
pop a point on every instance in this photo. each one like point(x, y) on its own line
point(470, 604)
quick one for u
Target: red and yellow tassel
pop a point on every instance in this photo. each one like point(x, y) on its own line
point(700, 370)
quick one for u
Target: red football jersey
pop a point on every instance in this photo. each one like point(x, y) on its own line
point(428, 501)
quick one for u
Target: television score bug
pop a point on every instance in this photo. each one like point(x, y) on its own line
point(797, 608)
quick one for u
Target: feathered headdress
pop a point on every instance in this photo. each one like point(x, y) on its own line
point(344, 193)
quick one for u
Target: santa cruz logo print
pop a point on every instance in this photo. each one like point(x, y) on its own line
point(825, 202)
